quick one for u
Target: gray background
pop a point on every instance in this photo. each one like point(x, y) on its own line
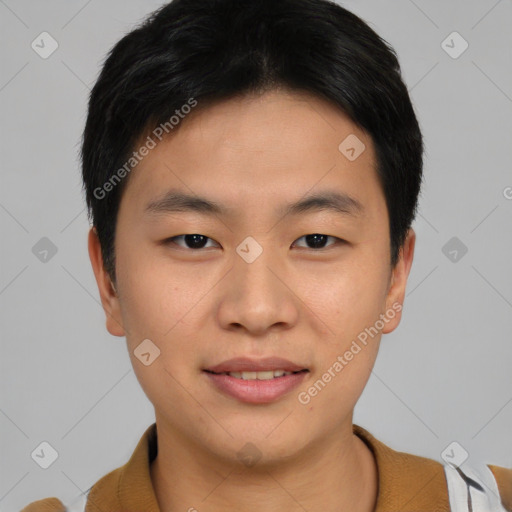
point(443, 376)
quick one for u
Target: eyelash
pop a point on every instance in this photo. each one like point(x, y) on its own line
point(171, 240)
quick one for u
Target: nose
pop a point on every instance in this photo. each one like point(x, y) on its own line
point(257, 298)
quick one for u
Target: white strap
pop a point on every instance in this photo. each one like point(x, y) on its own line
point(472, 490)
point(78, 505)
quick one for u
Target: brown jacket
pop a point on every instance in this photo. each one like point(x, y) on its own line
point(406, 482)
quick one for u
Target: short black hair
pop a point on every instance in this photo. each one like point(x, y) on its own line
point(213, 50)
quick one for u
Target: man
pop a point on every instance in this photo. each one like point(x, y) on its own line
point(252, 171)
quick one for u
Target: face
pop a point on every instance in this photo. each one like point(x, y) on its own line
point(290, 259)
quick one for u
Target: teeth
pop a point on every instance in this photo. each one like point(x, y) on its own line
point(259, 375)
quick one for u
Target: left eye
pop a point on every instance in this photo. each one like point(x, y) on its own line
point(196, 241)
point(317, 240)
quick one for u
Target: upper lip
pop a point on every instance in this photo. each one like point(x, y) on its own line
point(246, 364)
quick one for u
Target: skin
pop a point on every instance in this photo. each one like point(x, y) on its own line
point(204, 306)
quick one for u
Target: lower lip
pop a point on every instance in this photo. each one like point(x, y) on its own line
point(256, 391)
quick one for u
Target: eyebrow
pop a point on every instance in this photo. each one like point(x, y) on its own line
point(176, 201)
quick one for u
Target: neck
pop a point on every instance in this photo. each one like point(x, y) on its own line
point(337, 474)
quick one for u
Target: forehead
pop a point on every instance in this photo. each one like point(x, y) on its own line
point(273, 122)
point(259, 148)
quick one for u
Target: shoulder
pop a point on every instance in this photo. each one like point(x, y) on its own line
point(408, 480)
point(106, 489)
point(503, 477)
point(103, 491)
point(46, 505)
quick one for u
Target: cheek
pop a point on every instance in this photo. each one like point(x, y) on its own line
point(350, 297)
point(155, 300)
point(343, 390)
point(339, 382)
point(349, 351)
point(351, 304)
point(154, 295)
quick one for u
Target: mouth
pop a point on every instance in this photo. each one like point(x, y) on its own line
point(256, 381)
point(258, 375)
point(261, 387)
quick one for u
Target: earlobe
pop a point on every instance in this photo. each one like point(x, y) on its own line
point(398, 282)
point(107, 291)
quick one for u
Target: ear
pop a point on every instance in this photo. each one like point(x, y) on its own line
point(398, 281)
point(108, 294)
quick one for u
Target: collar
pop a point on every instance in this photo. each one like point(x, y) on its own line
point(405, 481)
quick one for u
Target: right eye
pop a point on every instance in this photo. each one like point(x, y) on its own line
point(192, 241)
